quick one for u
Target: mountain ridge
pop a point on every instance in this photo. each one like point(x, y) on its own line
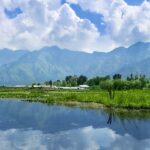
point(52, 63)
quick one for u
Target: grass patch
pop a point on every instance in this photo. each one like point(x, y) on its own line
point(131, 99)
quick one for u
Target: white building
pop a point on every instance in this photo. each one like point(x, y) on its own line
point(80, 87)
point(83, 87)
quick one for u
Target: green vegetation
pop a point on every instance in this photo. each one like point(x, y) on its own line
point(132, 99)
point(70, 81)
point(111, 85)
point(113, 92)
point(106, 83)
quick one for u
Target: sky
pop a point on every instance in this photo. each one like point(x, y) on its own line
point(80, 25)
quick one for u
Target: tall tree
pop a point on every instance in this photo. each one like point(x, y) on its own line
point(117, 76)
point(81, 80)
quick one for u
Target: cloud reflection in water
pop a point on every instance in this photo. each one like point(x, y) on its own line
point(87, 138)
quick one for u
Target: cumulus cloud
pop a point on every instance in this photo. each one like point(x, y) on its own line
point(48, 22)
point(125, 24)
point(70, 31)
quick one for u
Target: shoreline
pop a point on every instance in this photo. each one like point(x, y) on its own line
point(124, 100)
point(84, 105)
point(123, 113)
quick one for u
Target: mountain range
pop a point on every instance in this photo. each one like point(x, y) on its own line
point(52, 63)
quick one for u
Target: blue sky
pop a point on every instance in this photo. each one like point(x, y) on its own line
point(134, 2)
point(12, 13)
point(83, 25)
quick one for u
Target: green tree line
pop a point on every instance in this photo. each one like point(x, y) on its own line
point(108, 83)
point(116, 81)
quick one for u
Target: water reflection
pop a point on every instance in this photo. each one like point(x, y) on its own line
point(87, 138)
point(37, 126)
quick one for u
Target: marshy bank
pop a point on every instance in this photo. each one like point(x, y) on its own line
point(128, 99)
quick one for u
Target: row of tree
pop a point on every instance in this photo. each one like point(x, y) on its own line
point(116, 82)
point(108, 83)
point(70, 81)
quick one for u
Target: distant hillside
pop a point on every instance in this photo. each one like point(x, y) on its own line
point(142, 67)
point(8, 56)
point(48, 63)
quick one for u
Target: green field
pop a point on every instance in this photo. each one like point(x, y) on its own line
point(131, 99)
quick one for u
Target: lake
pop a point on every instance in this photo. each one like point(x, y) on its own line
point(37, 126)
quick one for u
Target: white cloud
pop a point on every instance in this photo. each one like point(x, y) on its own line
point(70, 31)
point(125, 24)
point(47, 23)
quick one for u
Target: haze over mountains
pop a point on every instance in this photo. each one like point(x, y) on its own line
point(52, 63)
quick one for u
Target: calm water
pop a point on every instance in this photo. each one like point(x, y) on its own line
point(36, 126)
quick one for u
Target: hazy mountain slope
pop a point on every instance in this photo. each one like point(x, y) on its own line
point(142, 67)
point(121, 57)
point(8, 56)
point(54, 63)
point(48, 63)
